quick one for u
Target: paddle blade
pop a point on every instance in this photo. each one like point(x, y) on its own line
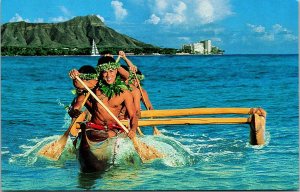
point(54, 150)
point(80, 118)
point(140, 131)
point(146, 152)
point(156, 131)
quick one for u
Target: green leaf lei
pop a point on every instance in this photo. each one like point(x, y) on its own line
point(88, 76)
point(107, 66)
point(132, 77)
point(99, 69)
point(113, 89)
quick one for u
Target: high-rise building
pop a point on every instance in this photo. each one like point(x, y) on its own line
point(198, 48)
point(207, 46)
point(201, 47)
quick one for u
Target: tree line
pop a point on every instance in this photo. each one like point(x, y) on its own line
point(42, 51)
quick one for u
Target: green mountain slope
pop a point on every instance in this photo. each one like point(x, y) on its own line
point(78, 32)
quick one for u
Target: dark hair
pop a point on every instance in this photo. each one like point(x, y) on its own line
point(105, 59)
point(87, 69)
point(138, 72)
point(105, 52)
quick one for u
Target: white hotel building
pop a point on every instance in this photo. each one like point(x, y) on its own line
point(202, 47)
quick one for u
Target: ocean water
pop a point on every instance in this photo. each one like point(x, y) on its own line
point(198, 157)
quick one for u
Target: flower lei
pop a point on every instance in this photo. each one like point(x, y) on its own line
point(113, 89)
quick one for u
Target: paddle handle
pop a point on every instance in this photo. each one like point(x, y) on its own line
point(118, 59)
point(139, 85)
point(74, 119)
point(140, 88)
point(85, 99)
point(102, 104)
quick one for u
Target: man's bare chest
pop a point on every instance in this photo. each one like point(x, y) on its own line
point(113, 103)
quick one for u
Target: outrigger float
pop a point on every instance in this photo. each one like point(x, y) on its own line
point(95, 155)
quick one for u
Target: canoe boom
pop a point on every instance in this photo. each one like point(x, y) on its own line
point(194, 111)
point(190, 121)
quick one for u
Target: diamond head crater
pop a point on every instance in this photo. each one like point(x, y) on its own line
point(72, 37)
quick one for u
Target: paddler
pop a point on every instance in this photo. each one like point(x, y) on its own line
point(89, 76)
point(115, 94)
point(133, 80)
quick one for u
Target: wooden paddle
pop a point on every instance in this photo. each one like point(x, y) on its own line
point(145, 152)
point(54, 149)
point(155, 130)
point(74, 129)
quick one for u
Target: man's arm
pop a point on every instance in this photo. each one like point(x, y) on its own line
point(90, 83)
point(125, 74)
point(129, 63)
point(137, 100)
point(74, 110)
point(128, 99)
point(146, 100)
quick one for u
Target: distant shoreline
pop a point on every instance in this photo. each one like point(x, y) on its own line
point(161, 55)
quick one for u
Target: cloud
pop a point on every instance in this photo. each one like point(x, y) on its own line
point(58, 19)
point(205, 11)
point(173, 18)
point(39, 20)
point(256, 29)
point(290, 37)
point(161, 5)
point(153, 19)
point(18, 18)
point(180, 8)
point(279, 29)
point(177, 16)
point(286, 34)
point(186, 39)
point(216, 39)
point(213, 30)
point(190, 12)
point(276, 33)
point(167, 12)
point(64, 10)
point(267, 37)
point(120, 12)
point(217, 10)
point(101, 18)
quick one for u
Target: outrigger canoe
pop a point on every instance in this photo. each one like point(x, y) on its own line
point(96, 156)
point(93, 156)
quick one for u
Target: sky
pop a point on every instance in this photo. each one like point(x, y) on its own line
point(236, 26)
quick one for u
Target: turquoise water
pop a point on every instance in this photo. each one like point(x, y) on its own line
point(198, 157)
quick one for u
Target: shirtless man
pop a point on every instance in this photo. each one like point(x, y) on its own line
point(114, 94)
point(88, 75)
point(132, 81)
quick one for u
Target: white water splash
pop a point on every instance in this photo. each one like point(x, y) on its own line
point(267, 141)
point(124, 152)
point(61, 104)
point(29, 155)
point(175, 154)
